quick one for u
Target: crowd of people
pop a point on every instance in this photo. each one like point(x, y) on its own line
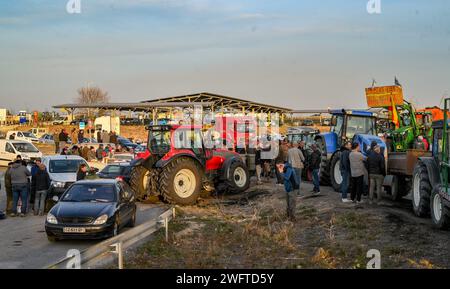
point(22, 191)
point(25, 187)
point(77, 139)
point(360, 174)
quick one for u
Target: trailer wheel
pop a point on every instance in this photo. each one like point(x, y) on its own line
point(421, 191)
point(440, 213)
point(336, 176)
point(140, 181)
point(180, 181)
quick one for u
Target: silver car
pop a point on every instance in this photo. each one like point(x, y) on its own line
point(62, 170)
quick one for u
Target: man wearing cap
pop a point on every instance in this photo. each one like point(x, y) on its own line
point(377, 171)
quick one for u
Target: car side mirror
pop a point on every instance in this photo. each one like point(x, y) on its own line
point(55, 199)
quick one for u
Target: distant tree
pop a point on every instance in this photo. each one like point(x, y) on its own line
point(90, 96)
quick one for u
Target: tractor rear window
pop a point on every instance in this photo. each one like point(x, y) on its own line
point(187, 139)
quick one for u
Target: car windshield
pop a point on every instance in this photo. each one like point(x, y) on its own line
point(102, 193)
point(29, 134)
point(360, 125)
point(65, 166)
point(25, 147)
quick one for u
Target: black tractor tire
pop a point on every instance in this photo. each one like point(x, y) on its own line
point(335, 161)
point(421, 191)
point(440, 213)
point(184, 171)
point(140, 182)
point(239, 178)
point(324, 165)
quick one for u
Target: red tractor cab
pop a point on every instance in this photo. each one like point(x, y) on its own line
point(179, 164)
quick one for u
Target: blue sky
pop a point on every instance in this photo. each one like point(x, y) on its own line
point(299, 54)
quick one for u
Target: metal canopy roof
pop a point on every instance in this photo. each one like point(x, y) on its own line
point(133, 106)
point(222, 101)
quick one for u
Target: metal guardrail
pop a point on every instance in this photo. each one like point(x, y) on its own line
point(102, 253)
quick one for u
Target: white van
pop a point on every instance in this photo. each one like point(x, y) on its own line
point(39, 131)
point(22, 135)
point(10, 149)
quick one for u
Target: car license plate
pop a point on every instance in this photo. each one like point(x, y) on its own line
point(74, 230)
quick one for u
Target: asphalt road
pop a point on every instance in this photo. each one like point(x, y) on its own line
point(24, 244)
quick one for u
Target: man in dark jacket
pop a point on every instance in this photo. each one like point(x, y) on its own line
point(8, 189)
point(113, 138)
point(377, 170)
point(345, 170)
point(316, 160)
point(99, 152)
point(40, 184)
point(34, 170)
point(19, 181)
point(80, 136)
point(82, 172)
point(63, 139)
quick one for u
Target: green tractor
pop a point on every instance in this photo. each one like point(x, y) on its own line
point(431, 193)
point(404, 137)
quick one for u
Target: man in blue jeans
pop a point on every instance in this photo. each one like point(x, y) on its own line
point(345, 170)
point(19, 180)
point(316, 160)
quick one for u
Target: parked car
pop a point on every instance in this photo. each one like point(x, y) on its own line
point(62, 170)
point(22, 135)
point(89, 140)
point(122, 157)
point(308, 122)
point(77, 121)
point(10, 149)
point(47, 139)
point(116, 170)
point(39, 131)
point(93, 209)
point(131, 121)
point(127, 144)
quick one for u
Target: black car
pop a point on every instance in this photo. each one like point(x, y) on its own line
point(77, 121)
point(119, 170)
point(94, 209)
point(127, 144)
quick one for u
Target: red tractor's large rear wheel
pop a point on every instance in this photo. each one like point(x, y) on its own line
point(180, 182)
point(140, 181)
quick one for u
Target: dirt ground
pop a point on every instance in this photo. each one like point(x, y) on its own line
point(251, 231)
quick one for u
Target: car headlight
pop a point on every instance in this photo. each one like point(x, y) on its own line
point(51, 219)
point(101, 220)
point(58, 184)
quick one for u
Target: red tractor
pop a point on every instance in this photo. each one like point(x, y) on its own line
point(178, 164)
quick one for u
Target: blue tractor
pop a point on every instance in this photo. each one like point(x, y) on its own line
point(346, 125)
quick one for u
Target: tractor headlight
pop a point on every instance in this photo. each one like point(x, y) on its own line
point(101, 220)
point(51, 219)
